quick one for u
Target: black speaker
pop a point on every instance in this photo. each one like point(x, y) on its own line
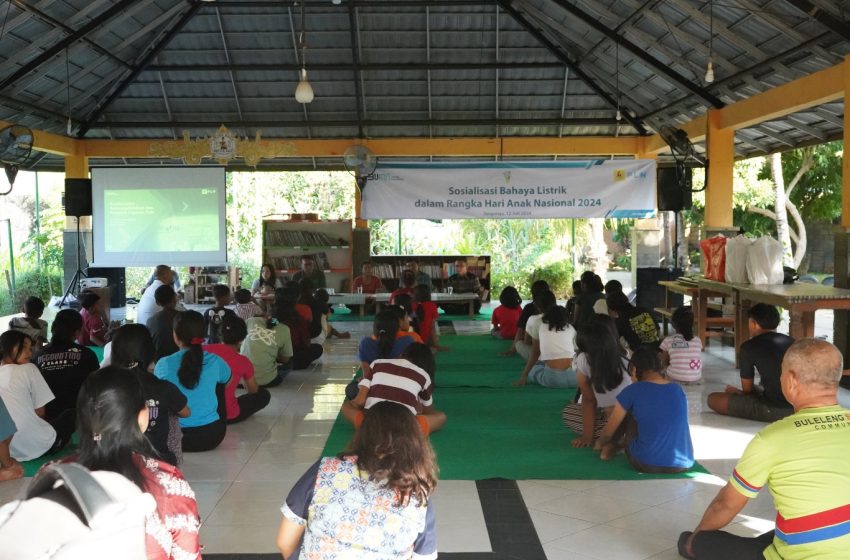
point(650, 295)
point(671, 194)
point(117, 284)
point(77, 199)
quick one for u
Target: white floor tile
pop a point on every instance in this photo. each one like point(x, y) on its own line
point(612, 543)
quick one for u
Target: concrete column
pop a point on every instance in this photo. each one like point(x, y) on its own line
point(720, 144)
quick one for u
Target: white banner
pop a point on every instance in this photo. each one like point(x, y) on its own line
point(555, 189)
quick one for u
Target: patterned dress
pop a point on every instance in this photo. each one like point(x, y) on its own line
point(347, 515)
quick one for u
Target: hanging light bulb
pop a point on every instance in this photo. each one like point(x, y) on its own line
point(304, 91)
point(70, 127)
point(709, 71)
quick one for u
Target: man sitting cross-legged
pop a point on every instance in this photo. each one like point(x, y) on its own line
point(408, 381)
point(802, 459)
point(763, 354)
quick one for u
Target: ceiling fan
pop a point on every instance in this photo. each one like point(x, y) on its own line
point(15, 148)
point(361, 162)
point(684, 154)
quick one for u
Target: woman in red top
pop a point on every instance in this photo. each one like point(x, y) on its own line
point(426, 315)
point(506, 316)
point(112, 417)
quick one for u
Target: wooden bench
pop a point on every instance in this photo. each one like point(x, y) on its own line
point(724, 322)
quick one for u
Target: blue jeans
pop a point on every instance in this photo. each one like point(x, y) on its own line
point(543, 375)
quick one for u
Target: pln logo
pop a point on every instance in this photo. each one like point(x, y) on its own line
point(623, 174)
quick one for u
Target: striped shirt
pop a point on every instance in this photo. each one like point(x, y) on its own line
point(398, 381)
point(685, 358)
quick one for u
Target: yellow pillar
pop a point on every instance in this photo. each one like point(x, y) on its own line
point(76, 167)
point(845, 165)
point(359, 222)
point(720, 144)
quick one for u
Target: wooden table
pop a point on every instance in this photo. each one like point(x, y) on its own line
point(699, 304)
point(800, 299)
point(350, 299)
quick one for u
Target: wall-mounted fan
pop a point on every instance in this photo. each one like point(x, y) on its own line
point(361, 162)
point(684, 154)
point(15, 148)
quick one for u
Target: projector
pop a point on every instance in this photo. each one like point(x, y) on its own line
point(88, 283)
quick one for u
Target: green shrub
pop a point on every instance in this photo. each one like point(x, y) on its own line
point(39, 283)
point(559, 275)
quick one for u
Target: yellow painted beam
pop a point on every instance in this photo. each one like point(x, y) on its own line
point(720, 144)
point(50, 143)
point(412, 147)
point(76, 167)
point(809, 91)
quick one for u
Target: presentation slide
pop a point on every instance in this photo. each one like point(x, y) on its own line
point(145, 217)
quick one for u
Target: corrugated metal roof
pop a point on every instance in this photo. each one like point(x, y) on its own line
point(425, 68)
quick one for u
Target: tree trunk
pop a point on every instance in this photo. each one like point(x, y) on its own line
point(598, 249)
point(782, 230)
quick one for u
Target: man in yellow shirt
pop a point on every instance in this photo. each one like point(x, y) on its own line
point(802, 459)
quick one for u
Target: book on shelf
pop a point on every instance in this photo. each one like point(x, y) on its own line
point(298, 238)
point(294, 262)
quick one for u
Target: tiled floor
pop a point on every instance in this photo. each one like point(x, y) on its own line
point(241, 485)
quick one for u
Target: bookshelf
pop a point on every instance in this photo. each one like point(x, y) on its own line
point(439, 267)
point(201, 281)
point(285, 241)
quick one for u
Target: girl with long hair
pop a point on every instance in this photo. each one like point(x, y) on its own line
point(25, 394)
point(681, 353)
point(233, 332)
point(553, 347)
point(372, 501)
point(133, 350)
point(506, 316)
point(112, 419)
point(201, 376)
point(384, 342)
point(602, 372)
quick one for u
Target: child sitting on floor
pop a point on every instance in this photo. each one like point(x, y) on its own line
point(31, 324)
point(215, 315)
point(650, 419)
point(602, 372)
point(384, 343)
point(323, 298)
point(245, 305)
point(408, 381)
point(426, 316)
point(404, 323)
point(94, 322)
point(681, 353)
point(506, 316)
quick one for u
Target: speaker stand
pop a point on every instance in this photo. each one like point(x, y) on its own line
point(79, 274)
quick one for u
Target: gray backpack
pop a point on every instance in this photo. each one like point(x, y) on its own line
point(69, 513)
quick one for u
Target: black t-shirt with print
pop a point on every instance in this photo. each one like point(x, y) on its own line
point(64, 368)
point(637, 326)
point(214, 316)
point(163, 400)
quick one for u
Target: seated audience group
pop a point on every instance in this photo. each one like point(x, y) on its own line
point(173, 382)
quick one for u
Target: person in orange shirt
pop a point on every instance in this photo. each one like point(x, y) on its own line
point(404, 323)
